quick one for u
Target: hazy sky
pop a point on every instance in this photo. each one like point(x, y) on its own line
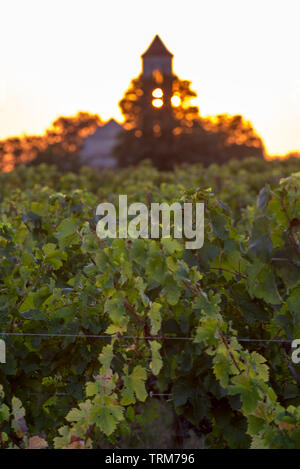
point(61, 56)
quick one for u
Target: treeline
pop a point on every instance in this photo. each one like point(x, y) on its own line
point(194, 140)
point(60, 145)
point(169, 131)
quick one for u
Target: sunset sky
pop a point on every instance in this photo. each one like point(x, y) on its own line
point(62, 56)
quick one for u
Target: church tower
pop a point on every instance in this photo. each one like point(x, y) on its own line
point(157, 114)
point(157, 58)
point(157, 85)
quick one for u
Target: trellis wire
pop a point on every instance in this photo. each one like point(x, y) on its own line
point(96, 336)
point(64, 394)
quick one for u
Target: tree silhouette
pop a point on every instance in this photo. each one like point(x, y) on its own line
point(60, 145)
point(175, 133)
point(63, 141)
point(228, 137)
point(153, 132)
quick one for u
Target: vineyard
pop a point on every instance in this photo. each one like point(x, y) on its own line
point(135, 343)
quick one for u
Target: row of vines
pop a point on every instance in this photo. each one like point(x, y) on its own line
point(102, 336)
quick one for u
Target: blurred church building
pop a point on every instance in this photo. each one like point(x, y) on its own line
point(97, 148)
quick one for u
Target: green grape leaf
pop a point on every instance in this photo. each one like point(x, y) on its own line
point(155, 317)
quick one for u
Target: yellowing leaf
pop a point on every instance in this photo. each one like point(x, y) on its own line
point(156, 363)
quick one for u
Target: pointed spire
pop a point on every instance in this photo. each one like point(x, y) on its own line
point(157, 48)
